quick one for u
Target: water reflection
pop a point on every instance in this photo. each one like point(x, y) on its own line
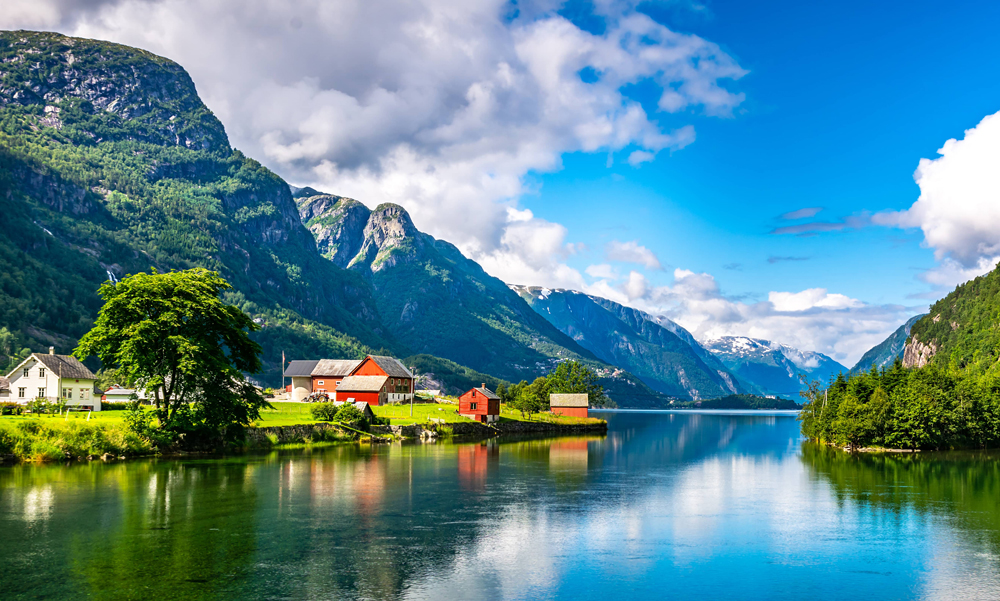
point(690, 504)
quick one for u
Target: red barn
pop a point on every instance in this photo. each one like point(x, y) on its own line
point(481, 404)
point(399, 386)
point(574, 405)
point(362, 389)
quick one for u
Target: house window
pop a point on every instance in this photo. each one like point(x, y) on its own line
point(64, 393)
point(26, 370)
point(21, 392)
point(473, 393)
point(472, 406)
point(321, 383)
point(41, 393)
point(41, 372)
point(84, 394)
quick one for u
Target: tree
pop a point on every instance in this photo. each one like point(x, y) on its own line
point(170, 335)
point(572, 377)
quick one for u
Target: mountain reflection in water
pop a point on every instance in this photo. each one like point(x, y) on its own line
point(684, 505)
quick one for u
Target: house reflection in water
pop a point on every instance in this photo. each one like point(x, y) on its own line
point(569, 455)
point(474, 461)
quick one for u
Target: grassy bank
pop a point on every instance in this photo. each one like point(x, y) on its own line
point(292, 414)
point(47, 438)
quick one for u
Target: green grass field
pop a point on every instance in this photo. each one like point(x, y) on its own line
point(292, 413)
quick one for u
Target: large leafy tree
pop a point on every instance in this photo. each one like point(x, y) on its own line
point(573, 377)
point(170, 335)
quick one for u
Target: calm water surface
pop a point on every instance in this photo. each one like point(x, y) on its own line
point(667, 505)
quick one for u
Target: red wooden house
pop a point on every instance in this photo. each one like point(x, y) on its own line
point(362, 389)
point(328, 373)
point(481, 404)
point(399, 380)
point(574, 405)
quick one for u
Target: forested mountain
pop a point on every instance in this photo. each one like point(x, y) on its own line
point(110, 164)
point(437, 301)
point(961, 330)
point(887, 351)
point(770, 367)
point(649, 347)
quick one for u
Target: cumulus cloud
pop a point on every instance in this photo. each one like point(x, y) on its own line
point(602, 271)
point(631, 252)
point(440, 106)
point(958, 209)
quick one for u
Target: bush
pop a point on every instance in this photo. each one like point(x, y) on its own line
point(41, 406)
point(349, 414)
point(380, 421)
point(114, 405)
point(11, 409)
point(324, 412)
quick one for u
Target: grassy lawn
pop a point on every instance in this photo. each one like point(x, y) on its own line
point(292, 414)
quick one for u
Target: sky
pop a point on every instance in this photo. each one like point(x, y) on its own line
point(809, 173)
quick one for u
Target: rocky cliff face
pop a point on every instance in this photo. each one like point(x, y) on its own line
point(918, 354)
point(131, 93)
point(886, 352)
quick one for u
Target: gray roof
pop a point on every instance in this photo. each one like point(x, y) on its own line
point(486, 392)
point(300, 369)
point(4, 384)
point(335, 368)
point(119, 391)
point(568, 400)
point(65, 366)
point(392, 366)
point(361, 384)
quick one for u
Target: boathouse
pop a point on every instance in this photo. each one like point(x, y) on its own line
point(480, 404)
point(573, 405)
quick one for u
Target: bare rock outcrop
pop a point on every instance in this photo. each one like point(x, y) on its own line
point(918, 354)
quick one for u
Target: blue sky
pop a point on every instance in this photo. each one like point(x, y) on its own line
point(523, 131)
point(842, 100)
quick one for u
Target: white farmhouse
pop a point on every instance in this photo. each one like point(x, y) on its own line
point(53, 377)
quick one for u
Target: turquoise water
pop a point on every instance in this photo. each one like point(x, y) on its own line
point(667, 505)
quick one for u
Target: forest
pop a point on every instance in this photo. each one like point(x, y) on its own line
point(933, 408)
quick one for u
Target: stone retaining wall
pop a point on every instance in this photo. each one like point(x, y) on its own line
point(287, 434)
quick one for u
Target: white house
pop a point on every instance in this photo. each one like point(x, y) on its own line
point(117, 394)
point(53, 377)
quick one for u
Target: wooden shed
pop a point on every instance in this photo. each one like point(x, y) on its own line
point(480, 404)
point(365, 389)
point(574, 405)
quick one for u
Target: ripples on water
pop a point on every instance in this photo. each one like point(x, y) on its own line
point(678, 505)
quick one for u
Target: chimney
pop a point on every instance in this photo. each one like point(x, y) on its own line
point(484, 385)
point(52, 350)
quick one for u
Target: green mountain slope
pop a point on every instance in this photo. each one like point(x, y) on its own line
point(961, 330)
point(887, 351)
point(635, 341)
point(438, 302)
point(110, 164)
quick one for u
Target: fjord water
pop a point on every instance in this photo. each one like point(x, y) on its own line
point(678, 505)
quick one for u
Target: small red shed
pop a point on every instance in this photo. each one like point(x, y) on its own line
point(481, 404)
point(574, 405)
point(362, 389)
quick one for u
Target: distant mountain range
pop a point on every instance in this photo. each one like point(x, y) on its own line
point(771, 367)
point(887, 351)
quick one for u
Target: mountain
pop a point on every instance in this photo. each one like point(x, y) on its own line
point(438, 302)
point(887, 351)
point(770, 367)
point(960, 330)
point(650, 347)
point(110, 164)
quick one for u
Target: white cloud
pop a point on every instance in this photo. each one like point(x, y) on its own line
point(809, 299)
point(443, 107)
point(602, 271)
point(631, 252)
point(959, 205)
point(638, 157)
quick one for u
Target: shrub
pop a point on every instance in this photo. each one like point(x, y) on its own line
point(11, 409)
point(324, 412)
point(41, 406)
point(380, 421)
point(349, 414)
point(114, 405)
